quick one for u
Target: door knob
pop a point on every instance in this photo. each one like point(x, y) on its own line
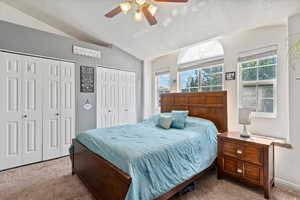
point(57, 114)
point(109, 110)
point(239, 170)
point(25, 116)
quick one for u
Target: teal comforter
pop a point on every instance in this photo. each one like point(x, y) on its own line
point(155, 158)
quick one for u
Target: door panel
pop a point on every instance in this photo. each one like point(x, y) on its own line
point(113, 98)
point(127, 110)
point(51, 109)
point(67, 114)
point(102, 90)
point(10, 110)
point(132, 98)
point(107, 97)
point(32, 110)
point(124, 97)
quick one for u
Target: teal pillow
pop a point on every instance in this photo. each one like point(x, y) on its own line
point(184, 112)
point(164, 121)
point(178, 120)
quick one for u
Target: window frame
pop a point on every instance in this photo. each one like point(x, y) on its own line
point(157, 93)
point(199, 86)
point(260, 82)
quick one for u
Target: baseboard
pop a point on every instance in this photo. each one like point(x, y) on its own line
point(287, 184)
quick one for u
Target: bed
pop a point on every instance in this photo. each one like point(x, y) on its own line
point(144, 162)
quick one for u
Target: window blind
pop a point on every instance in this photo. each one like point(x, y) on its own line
point(161, 73)
point(257, 53)
point(198, 65)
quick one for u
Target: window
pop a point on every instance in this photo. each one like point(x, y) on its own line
point(202, 80)
point(162, 86)
point(258, 85)
point(200, 51)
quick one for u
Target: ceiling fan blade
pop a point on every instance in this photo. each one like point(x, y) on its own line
point(113, 12)
point(173, 1)
point(150, 18)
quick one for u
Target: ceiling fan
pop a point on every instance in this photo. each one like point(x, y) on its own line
point(143, 7)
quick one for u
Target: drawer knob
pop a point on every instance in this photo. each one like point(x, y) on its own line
point(239, 151)
point(239, 170)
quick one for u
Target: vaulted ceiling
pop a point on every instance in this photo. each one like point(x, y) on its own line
point(178, 24)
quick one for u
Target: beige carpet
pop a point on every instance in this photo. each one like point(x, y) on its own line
point(52, 180)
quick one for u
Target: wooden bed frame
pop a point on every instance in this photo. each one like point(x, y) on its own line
point(107, 182)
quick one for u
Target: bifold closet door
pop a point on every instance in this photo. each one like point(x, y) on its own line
point(127, 110)
point(107, 97)
point(20, 110)
point(32, 110)
point(67, 102)
point(51, 119)
point(59, 108)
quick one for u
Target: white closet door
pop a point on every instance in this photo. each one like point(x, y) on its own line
point(132, 98)
point(10, 110)
point(51, 111)
point(123, 98)
point(101, 92)
point(32, 110)
point(107, 97)
point(67, 114)
point(113, 98)
point(127, 109)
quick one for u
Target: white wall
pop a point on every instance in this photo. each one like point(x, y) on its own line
point(261, 37)
point(288, 160)
point(12, 15)
point(24, 35)
point(279, 127)
point(233, 44)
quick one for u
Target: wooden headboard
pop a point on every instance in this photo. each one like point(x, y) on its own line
point(208, 105)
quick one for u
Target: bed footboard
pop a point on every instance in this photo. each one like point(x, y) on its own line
point(102, 178)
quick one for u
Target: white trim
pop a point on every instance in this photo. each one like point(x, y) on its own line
point(287, 183)
point(37, 56)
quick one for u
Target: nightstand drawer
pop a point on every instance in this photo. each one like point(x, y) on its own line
point(232, 166)
point(253, 173)
point(252, 153)
point(243, 151)
point(230, 149)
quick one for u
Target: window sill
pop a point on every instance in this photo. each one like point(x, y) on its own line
point(265, 115)
point(280, 142)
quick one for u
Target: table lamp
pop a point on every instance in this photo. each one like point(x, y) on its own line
point(245, 119)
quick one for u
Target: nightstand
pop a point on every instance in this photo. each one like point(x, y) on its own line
point(249, 160)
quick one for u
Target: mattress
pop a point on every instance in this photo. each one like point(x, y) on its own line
point(156, 159)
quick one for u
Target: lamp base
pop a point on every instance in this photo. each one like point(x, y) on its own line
point(245, 133)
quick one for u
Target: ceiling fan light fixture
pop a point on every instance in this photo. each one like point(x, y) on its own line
point(152, 9)
point(125, 7)
point(138, 16)
point(140, 2)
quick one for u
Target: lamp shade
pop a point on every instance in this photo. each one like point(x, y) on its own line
point(244, 116)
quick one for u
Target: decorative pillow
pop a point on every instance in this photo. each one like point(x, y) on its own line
point(185, 112)
point(164, 121)
point(178, 120)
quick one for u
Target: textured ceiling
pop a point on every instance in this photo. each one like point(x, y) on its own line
point(179, 24)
